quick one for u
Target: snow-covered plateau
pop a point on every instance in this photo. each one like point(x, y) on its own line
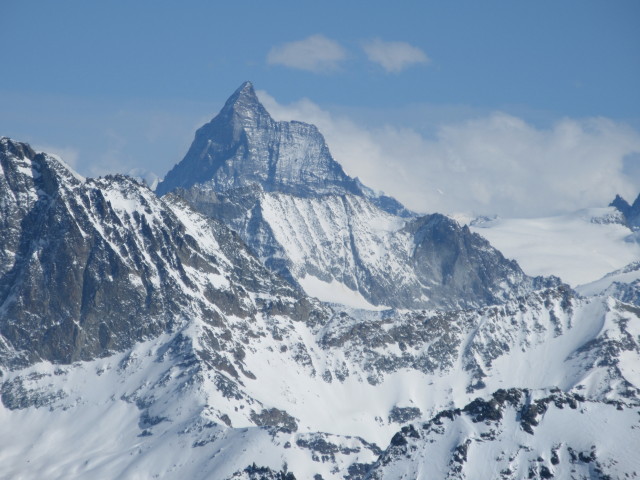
point(579, 247)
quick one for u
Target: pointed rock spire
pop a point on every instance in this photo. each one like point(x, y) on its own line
point(244, 146)
point(621, 204)
point(17, 149)
point(631, 213)
point(244, 103)
point(245, 94)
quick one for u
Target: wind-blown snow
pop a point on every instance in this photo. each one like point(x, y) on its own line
point(76, 175)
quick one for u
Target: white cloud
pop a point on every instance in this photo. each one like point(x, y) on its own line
point(496, 164)
point(316, 53)
point(394, 56)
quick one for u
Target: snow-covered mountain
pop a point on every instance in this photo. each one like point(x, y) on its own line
point(91, 266)
point(517, 434)
point(140, 337)
point(276, 184)
point(328, 397)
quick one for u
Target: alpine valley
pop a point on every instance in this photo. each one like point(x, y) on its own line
point(264, 316)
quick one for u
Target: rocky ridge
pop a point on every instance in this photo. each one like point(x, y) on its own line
point(630, 213)
point(515, 434)
point(92, 266)
point(187, 412)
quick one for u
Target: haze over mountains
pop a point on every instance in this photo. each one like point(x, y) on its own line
point(264, 315)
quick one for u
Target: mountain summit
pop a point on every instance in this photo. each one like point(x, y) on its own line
point(277, 185)
point(631, 213)
point(244, 145)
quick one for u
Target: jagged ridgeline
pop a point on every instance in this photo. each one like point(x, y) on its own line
point(91, 266)
point(277, 185)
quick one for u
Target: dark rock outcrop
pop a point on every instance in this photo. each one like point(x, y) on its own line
point(631, 212)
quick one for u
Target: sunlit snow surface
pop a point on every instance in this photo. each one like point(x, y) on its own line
point(566, 442)
point(320, 235)
point(573, 247)
point(336, 292)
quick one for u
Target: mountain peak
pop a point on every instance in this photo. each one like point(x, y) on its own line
point(244, 99)
point(620, 203)
point(243, 145)
point(18, 149)
point(631, 212)
point(245, 90)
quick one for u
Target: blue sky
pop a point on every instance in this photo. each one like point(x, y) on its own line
point(119, 85)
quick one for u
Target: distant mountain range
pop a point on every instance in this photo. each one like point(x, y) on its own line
point(262, 315)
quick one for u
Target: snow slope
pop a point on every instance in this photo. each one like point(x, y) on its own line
point(627, 275)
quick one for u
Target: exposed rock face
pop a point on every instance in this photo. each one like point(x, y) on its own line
point(91, 266)
point(621, 204)
point(254, 472)
point(276, 184)
point(462, 265)
point(243, 145)
point(631, 212)
point(516, 433)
